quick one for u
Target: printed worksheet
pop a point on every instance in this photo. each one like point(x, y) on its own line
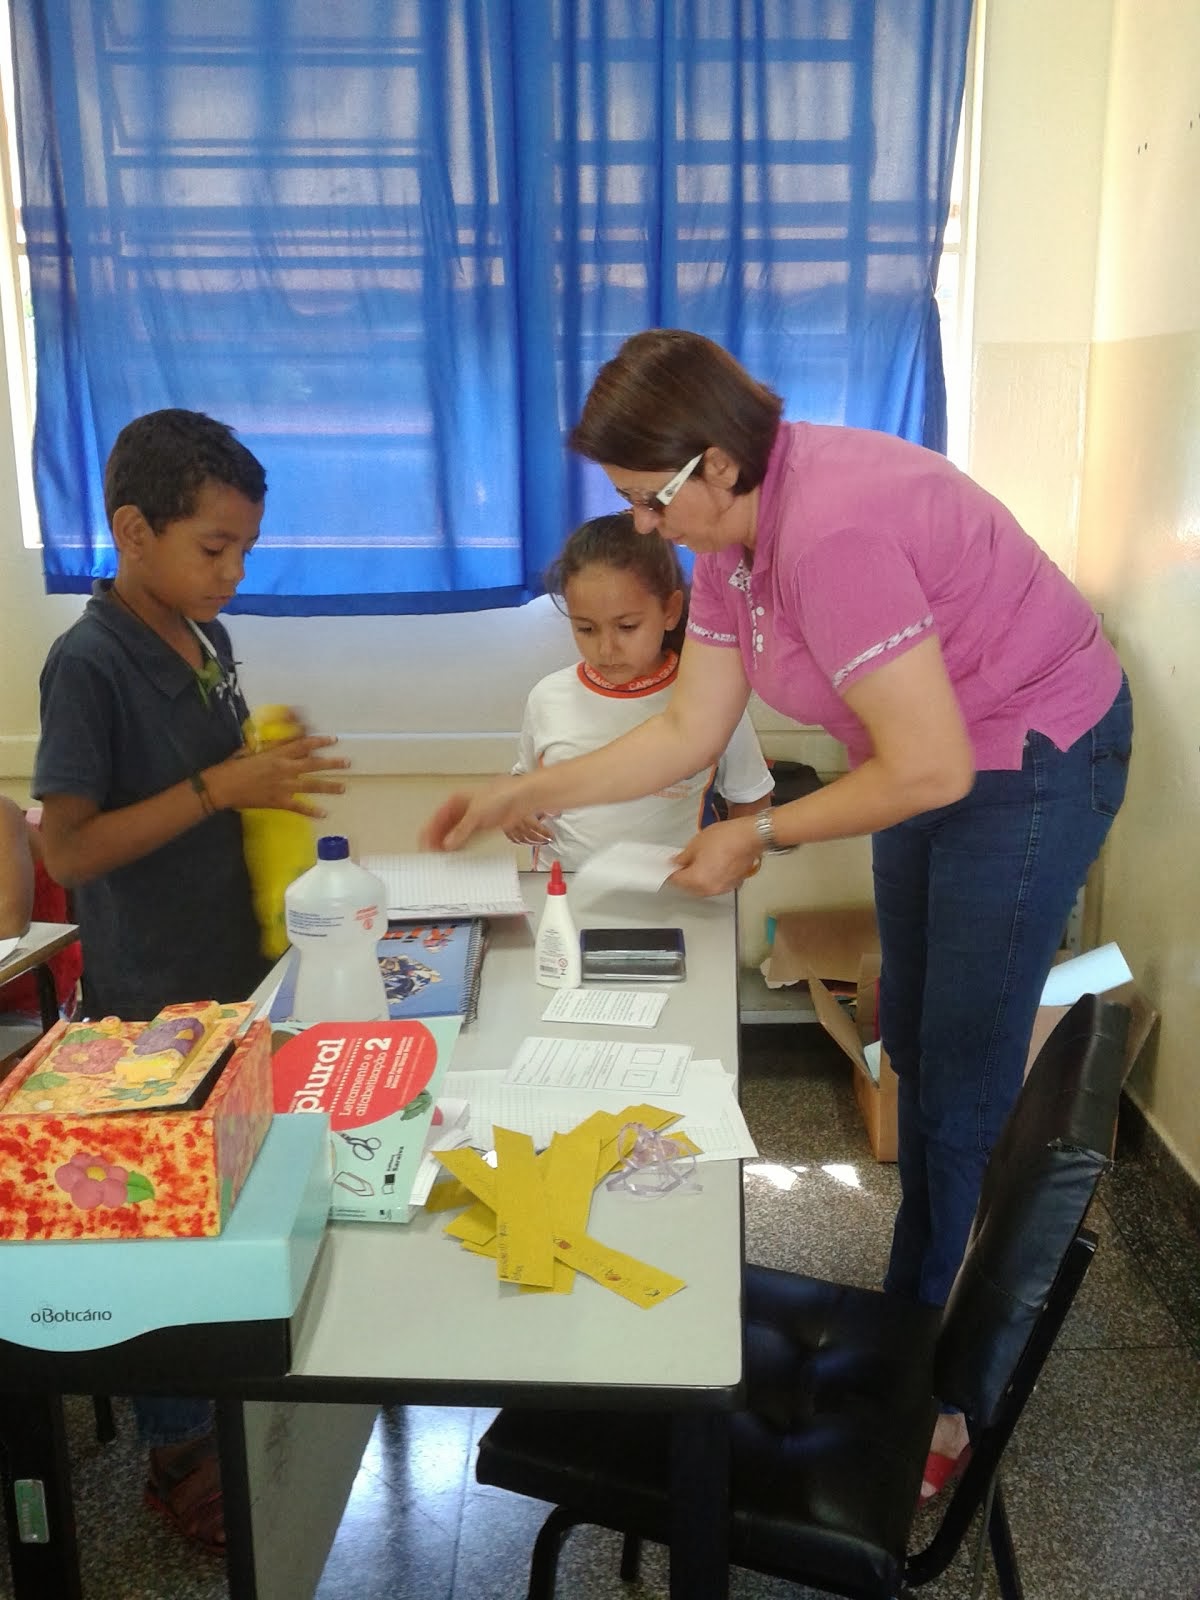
point(708, 1108)
point(623, 1008)
point(638, 1070)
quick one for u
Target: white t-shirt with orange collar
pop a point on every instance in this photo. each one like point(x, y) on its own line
point(574, 711)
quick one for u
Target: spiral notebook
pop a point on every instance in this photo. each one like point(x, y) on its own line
point(450, 886)
point(432, 969)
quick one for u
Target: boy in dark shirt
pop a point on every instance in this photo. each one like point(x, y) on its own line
point(141, 772)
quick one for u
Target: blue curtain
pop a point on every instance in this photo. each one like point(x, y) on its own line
point(391, 240)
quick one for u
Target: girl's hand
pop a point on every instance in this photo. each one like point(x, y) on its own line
point(277, 778)
point(720, 858)
point(532, 830)
point(502, 804)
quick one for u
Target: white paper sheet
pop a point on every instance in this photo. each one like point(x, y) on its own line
point(708, 1109)
point(621, 1008)
point(627, 865)
point(1091, 973)
point(431, 885)
point(640, 1071)
point(8, 946)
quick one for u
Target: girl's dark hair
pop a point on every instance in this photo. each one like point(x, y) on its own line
point(161, 461)
point(666, 395)
point(613, 541)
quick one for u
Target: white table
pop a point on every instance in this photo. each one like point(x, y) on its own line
point(40, 941)
point(401, 1315)
point(488, 1340)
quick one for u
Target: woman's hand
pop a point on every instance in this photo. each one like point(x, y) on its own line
point(720, 858)
point(503, 804)
point(277, 778)
point(532, 830)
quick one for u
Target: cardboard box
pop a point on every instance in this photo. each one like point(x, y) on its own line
point(152, 1174)
point(841, 945)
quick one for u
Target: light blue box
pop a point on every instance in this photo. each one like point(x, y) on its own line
point(66, 1294)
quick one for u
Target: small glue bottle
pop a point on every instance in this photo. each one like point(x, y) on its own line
point(556, 950)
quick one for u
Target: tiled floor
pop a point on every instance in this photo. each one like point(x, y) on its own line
point(1103, 1477)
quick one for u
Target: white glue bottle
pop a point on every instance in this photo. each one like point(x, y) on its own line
point(336, 911)
point(556, 950)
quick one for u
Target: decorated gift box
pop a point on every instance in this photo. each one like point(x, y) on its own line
point(125, 1130)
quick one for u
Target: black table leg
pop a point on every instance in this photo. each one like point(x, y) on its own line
point(38, 1512)
point(700, 1506)
point(235, 1492)
point(47, 996)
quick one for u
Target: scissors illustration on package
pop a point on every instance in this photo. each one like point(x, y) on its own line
point(364, 1149)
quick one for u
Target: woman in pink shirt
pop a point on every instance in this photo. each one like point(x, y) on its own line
point(862, 583)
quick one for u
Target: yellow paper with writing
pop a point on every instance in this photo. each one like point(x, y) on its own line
point(568, 1169)
point(636, 1281)
point(524, 1251)
point(471, 1170)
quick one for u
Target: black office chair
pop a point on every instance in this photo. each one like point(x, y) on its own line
point(827, 1457)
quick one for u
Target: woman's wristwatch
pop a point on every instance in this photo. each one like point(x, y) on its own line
point(764, 827)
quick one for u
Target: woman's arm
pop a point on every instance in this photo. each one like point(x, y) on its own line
point(16, 870)
point(709, 697)
point(921, 759)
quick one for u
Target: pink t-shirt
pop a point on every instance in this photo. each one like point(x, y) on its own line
point(866, 545)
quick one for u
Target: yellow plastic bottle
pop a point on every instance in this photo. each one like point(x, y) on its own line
point(278, 845)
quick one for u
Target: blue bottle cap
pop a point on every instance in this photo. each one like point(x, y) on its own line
point(333, 847)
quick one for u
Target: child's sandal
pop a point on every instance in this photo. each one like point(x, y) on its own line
point(186, 1490)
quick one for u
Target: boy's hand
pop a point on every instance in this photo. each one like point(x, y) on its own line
point(533, 829)
point(277, 778)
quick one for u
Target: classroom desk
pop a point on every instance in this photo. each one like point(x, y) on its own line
point(397, 1315)
point(43, 940)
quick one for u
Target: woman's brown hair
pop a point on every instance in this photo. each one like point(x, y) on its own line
point(666, 395)
point(613, 541)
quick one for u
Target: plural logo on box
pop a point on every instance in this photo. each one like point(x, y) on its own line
point(48, 1314)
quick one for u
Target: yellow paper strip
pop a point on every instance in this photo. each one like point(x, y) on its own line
point(635, 1281)
point(476, 1225)
point(448, 1194)
point(469, 1167)
point(568, 1170)
point(524, 1254)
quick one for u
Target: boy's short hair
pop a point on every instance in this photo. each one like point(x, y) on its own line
point(160, 462)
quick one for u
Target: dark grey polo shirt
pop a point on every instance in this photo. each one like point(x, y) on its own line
point(123, 718)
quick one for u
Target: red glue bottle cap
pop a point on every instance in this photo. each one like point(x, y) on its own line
point(557, 884)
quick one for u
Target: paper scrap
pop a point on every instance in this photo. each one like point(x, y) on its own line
point(1091, 973)
point(654, 1069)
point(622, 1008)
point(629, 864)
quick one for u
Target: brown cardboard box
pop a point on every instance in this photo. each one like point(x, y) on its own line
point(841, 945)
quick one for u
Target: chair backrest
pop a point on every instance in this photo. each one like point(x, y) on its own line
point(1039, 1183)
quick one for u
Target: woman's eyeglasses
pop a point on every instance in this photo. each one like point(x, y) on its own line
point(660, 499)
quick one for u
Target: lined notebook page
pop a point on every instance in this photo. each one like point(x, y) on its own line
point(430, 885)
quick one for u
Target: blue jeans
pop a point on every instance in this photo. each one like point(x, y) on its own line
point(169, 1419)
point(972, 901)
